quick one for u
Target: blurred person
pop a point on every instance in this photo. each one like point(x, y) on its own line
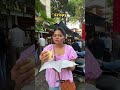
point(76, 45)
point(42, 42)
point(80, 43)
point(27, 39)
point(109, 41)
point(98, 47)
point(118, 36)
point(94, 76)
point(16, 38)
point(67, 53)
point(92, 68)
point(69, 42)
point(23, 73)
point(108, 45)
point(89, 42)
point(46, 41)
point(116, 45)
point(2, 59)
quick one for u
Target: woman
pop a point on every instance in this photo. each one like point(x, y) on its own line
point(61, 51)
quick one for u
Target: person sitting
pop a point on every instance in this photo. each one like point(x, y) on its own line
point(76, 46)
point(94, 74)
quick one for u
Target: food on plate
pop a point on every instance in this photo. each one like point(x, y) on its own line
point(51, 57)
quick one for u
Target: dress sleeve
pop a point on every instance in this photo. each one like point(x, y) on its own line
point(71, 53)
point(48, 47)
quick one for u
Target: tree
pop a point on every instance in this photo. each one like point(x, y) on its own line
point(59, 6)
point(109, 11)
point(75, 8)
point(42, 21)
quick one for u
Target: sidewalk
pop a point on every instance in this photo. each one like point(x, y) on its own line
point(41, 84)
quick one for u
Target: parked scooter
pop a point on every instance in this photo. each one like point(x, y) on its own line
point(79, 71)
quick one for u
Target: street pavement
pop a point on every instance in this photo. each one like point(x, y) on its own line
point(41, 84)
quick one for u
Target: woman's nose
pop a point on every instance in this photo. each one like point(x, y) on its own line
point(56, 37)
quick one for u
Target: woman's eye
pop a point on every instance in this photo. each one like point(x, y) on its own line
point(54, 35)
point(57, 35)
point(60, 35)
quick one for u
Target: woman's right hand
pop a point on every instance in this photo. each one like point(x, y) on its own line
point(44, 57)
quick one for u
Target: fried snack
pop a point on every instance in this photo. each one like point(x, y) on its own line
point(50, 55)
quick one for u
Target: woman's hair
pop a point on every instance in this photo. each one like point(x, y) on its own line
point(61, 30)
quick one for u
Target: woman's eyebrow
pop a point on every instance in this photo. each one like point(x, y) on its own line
point(58, 34)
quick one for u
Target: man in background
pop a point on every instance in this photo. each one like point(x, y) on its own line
point(2, 59)
point(16, 38)
point(76, 45)
point(116, 45)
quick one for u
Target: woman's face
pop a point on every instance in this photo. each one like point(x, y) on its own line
point(58, 37)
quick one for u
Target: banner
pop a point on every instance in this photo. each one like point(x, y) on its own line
point(83, 31)
point(116, 16)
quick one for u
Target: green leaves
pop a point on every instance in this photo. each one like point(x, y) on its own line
point(109, 3)
point(42, 21)
point(75, 8)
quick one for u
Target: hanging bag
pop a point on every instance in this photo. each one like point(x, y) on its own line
point(64, 84)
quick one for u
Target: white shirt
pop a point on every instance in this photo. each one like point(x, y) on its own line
point(107, 42)
point(42, 42)
point(17, 37)
point(80, 44)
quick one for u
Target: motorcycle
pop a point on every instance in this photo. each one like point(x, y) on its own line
point(79, 72)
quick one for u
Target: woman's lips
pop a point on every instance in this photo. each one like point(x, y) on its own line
point(56, 40)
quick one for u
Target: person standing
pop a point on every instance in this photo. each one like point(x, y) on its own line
point(61, 51)
point(42, 42)
point(76, 45)
point(108, 46)
point(118, 37)
point(96, 46)
point(116, 45)
point(2, 58)
point(92, 70)
point(16, 37)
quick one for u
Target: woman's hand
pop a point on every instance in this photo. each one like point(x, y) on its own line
point(23, 73)
point(44, 57)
